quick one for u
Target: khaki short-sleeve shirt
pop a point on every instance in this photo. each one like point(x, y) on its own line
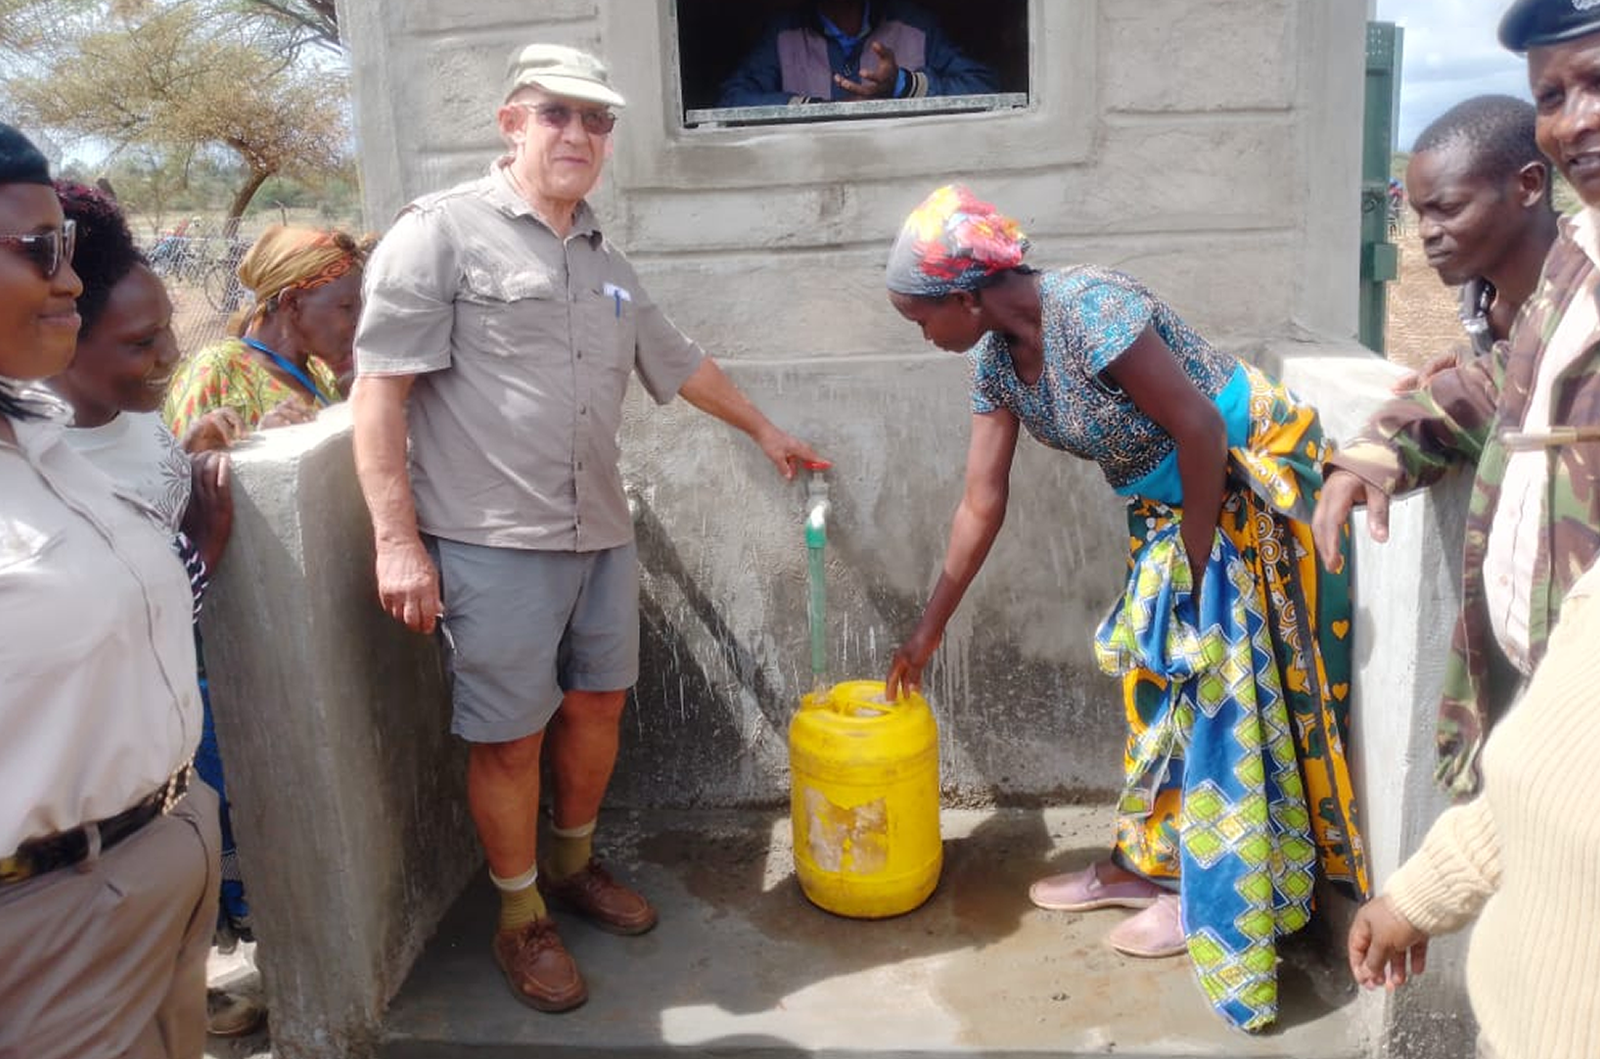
point(100, 703)
point(522, 343)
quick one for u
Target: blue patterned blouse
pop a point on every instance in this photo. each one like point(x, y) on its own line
point(1091, 316)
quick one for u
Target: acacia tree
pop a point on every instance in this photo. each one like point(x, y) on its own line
point(185, 75)
point(308, 21)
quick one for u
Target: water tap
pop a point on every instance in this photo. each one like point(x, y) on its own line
point(817, 504)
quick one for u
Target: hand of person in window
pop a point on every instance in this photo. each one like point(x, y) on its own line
point(879, 74)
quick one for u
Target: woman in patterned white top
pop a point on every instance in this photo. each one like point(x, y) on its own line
point(116, 382)
point(1232, 644)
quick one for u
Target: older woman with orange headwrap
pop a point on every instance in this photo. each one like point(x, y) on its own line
point(1231, 642)
point(281, 363)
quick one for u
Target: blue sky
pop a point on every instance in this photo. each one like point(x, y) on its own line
point(1450, 53)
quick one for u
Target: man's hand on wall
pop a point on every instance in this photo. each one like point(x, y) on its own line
point(1341, 492)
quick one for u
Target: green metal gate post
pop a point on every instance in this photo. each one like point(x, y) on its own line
point(1380, 259)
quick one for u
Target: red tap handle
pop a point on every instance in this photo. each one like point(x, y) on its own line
point(818, 465)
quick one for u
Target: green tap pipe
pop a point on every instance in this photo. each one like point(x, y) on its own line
point(816, 607)
point(816, 572)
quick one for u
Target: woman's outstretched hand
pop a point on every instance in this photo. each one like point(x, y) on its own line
point(905, 667)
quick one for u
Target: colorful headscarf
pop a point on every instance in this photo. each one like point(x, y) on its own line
point(954, 241)
point(288, 258)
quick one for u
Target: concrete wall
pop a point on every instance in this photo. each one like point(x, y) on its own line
point(1210, 148)
point(349, 800)
point(1407, 592)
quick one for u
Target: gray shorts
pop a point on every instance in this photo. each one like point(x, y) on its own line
point(523, 627)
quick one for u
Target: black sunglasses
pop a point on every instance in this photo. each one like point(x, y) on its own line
point(47, 250)
point(559, 116)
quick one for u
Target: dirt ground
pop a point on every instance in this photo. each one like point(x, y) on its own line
point(1422, 311)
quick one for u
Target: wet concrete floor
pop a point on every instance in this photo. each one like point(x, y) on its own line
point(742, 965)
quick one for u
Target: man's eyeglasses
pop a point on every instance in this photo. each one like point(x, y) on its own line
point(47, 250)
point(559, 116)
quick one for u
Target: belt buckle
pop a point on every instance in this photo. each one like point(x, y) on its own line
point(175, 788)
point(16, 868)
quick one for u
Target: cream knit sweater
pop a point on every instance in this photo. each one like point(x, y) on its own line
point(1524, 858)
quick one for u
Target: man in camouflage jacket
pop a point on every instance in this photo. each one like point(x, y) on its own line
point(1460, 419)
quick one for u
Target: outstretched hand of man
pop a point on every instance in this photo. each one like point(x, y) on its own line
point(1340, 493)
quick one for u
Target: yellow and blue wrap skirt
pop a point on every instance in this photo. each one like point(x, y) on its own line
point(1236, 783)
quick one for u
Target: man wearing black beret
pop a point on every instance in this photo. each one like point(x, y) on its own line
point(1518, 858)
point(1535, 23)
point(1517, 417)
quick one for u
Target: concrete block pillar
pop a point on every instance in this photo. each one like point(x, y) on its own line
point(1407, 594)
point(348, 793)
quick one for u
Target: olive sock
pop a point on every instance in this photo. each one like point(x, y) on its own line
point(520, 900)
point(568, 850)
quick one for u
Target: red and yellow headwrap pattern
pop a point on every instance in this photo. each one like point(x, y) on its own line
point(953, 241)
point(291, 258)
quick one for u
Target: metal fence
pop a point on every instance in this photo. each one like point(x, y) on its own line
point(202, 277)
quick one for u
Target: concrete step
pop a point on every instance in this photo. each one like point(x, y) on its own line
point(742, 965)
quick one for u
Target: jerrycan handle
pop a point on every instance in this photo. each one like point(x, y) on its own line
point(858, 698)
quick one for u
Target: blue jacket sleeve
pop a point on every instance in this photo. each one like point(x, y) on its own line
point(758, 82)
point(950, 72)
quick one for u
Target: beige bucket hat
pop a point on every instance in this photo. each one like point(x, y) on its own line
point(562, 71)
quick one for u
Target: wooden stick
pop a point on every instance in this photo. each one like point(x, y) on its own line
point(1549, 438)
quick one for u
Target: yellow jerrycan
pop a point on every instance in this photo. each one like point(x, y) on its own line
point(864, 800)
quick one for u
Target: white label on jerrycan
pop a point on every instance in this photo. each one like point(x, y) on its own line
point(847, 840)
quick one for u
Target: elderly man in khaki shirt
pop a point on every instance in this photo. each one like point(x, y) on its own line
point(499, 333)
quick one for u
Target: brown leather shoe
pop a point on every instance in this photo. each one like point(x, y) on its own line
point(538, 968)
point(595, 895)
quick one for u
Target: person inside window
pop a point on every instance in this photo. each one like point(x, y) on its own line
point(842, 51)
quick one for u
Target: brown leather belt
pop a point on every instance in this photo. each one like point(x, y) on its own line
point(66, 848)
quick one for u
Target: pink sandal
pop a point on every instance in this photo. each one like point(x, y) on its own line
point(1082, 891)
point(1153, 934)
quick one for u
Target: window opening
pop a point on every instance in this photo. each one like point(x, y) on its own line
point(715, 37)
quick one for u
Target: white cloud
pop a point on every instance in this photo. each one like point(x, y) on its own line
point(1450, 53)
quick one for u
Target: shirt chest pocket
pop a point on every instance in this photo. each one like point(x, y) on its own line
point(513, 311)
point(23, 545)
point(606, 329)
point(31, 589)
